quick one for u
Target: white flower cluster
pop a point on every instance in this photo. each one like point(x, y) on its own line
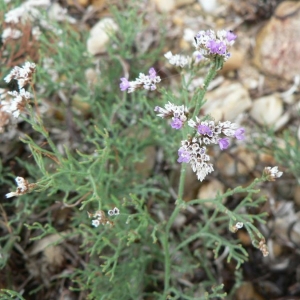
point(29, 11)
point(17, 104)
point(172, 111)
point(208, 132)
point(191, 152)
point(23, 187)
point(177, 60)
point(22, 75)
point(114, 212)
point(147, 82)
point(100, 218)
point(11, 33)
point(272, 173)
point(144, 81)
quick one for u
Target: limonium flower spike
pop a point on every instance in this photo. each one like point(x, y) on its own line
point(147, 82)
point(178, 114)
point(211, 44)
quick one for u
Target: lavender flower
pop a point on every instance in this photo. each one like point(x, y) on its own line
point(223, 143)
point(211, 44)
point(183, 155)
point(124, 85)
point(239, 133)
point(147, 82)
point(176, 123)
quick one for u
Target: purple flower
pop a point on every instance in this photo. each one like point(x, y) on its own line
point(230, 36)
point(212, 46)
point(223, 143)
point(124, 85)
point(239, 133)
point(183, 155)
point(203, 129)
point(152, 73)
point(176, 123)
point(221, 48)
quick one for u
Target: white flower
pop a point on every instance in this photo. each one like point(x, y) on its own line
point(239, 225)
point(95, 223)
point(11, 33)
point(116, 211)
point(11, 194)
point(272, 173)
point(177, 60)
point(110, 212)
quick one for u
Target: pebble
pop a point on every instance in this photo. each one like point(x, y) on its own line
point(164, 6)
point(267, 110)
point(99, 37)
point(227, 102)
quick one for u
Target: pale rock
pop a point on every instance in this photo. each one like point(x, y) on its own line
point(282, 121)
point(227, 102)
point(164, 6)
point(234, 62)
point(91, 76)
point(100, 36)
point(239, 162)
point(209, 6)
point(209, 190)
point(267, 110)
point(179, 221)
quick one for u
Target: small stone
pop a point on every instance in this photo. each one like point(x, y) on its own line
point(267, 110)
point(99, 36)
point(164, 6)
point(179, 221)
point(234, 62)
point(209, 190)
point(91, 76)
point(209, 6)
point(227, 102)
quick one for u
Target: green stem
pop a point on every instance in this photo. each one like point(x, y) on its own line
point(165, 238)
point(214, 67)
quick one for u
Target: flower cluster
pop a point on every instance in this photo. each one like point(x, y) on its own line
point(17, 104)
point(100, 218)
point(177, 113)
point(22, 75)
point(147, 82)
point(236, 227)
point(263, 248)
point(209, 133)
point(193, 150)
point(177, 60)
point(23, 187)
point(211, 44)
point(272, 173)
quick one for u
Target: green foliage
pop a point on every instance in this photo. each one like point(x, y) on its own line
point(137, 255)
